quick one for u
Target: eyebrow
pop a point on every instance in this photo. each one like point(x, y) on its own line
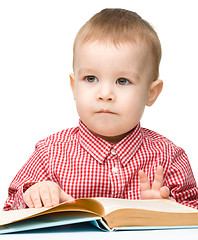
point(129, 73)
point(119, 73)
point(82, 70)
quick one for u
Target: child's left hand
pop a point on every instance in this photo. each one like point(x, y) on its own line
point(157, 191)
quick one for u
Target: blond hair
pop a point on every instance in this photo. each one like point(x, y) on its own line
point(121, 26)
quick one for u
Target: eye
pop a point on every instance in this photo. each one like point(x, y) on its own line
point(91, 79)
point(122, 81)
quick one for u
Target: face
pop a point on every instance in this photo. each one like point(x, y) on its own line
point(111, 87)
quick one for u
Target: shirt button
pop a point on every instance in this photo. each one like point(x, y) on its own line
point(113, 152)
point(114, 170)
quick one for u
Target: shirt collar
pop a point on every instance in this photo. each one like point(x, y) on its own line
point(99, 148)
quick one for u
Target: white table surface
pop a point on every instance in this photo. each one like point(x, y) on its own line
point(84, 231)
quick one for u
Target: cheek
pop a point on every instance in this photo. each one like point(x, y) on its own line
point(82, 92)
point(134, 105)
point(134, 110)
point(82, 103)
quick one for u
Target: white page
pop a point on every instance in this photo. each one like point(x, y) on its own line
point(157, 205)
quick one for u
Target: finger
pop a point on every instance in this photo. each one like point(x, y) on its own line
point(165, 192)
point(144, 182)
point(65, 197)
point(35, 197)
point(28, 200)
point(158, 180)
point(45, 195)
point(54, 193)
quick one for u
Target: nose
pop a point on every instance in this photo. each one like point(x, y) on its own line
point(106, 93)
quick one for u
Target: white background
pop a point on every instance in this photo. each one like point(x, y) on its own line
point(36, 38)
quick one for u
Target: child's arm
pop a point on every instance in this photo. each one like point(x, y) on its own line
point(36, 171)
point(157, 191)
point(45, 194)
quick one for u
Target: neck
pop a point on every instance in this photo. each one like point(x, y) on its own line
point(114, 139)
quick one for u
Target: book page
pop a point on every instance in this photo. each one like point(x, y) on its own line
point(13, 215)
point(16, 215)
point(82, 205)
point(111, 204)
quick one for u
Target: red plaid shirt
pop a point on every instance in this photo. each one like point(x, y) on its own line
point(85, 165)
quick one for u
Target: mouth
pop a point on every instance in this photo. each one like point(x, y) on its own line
point(105, 111)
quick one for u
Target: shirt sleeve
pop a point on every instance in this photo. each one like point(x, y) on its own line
point(36, 169)
point(180, 180)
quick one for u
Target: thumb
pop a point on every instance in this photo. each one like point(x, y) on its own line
point(64, 197)
point(164, 192)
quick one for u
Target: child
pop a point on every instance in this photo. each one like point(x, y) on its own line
point(116, 66)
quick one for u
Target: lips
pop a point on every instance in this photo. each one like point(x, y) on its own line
point(105, 111)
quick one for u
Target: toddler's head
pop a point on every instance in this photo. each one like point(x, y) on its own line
point(118, 26)
point(116, 66)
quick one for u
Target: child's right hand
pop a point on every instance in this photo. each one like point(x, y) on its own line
point(45, 194)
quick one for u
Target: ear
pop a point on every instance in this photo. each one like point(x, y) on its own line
point(72, 83)
point(155, 90)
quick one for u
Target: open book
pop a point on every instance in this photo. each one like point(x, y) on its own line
point(105, 213)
